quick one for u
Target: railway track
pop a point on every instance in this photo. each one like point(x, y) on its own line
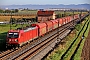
point(36, 45)
point(70, 57)
point(5, 53)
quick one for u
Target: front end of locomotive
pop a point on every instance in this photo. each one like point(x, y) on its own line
point(12, 38)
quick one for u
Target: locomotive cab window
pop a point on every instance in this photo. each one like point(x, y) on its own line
point(13, 35)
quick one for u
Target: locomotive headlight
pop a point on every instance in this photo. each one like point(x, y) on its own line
point(9, 40)
point(16, 40)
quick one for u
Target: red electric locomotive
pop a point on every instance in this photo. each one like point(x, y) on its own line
point(19, 37)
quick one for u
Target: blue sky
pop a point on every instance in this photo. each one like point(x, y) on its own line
point(23, 2)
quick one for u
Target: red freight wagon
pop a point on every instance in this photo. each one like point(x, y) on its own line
point(19, 37)
point(49, 26)
point(41, 28)
point(75, 16)
point(64, 20)
point(71, 18)
point(60, 21)
point(68, 19)
point(54, 23)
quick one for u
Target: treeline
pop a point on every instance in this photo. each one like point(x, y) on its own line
point(23, 20)
point(63, 15)
point(9, 11)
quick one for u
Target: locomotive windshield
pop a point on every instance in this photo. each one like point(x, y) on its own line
point(13, 35)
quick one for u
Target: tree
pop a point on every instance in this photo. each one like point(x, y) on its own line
point(1, 10)
point(7, 11)
point(16, 10)
point(59, 16)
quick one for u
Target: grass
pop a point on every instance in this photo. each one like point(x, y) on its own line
point(56, 55)
point(78, 54)
point(72, 49)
